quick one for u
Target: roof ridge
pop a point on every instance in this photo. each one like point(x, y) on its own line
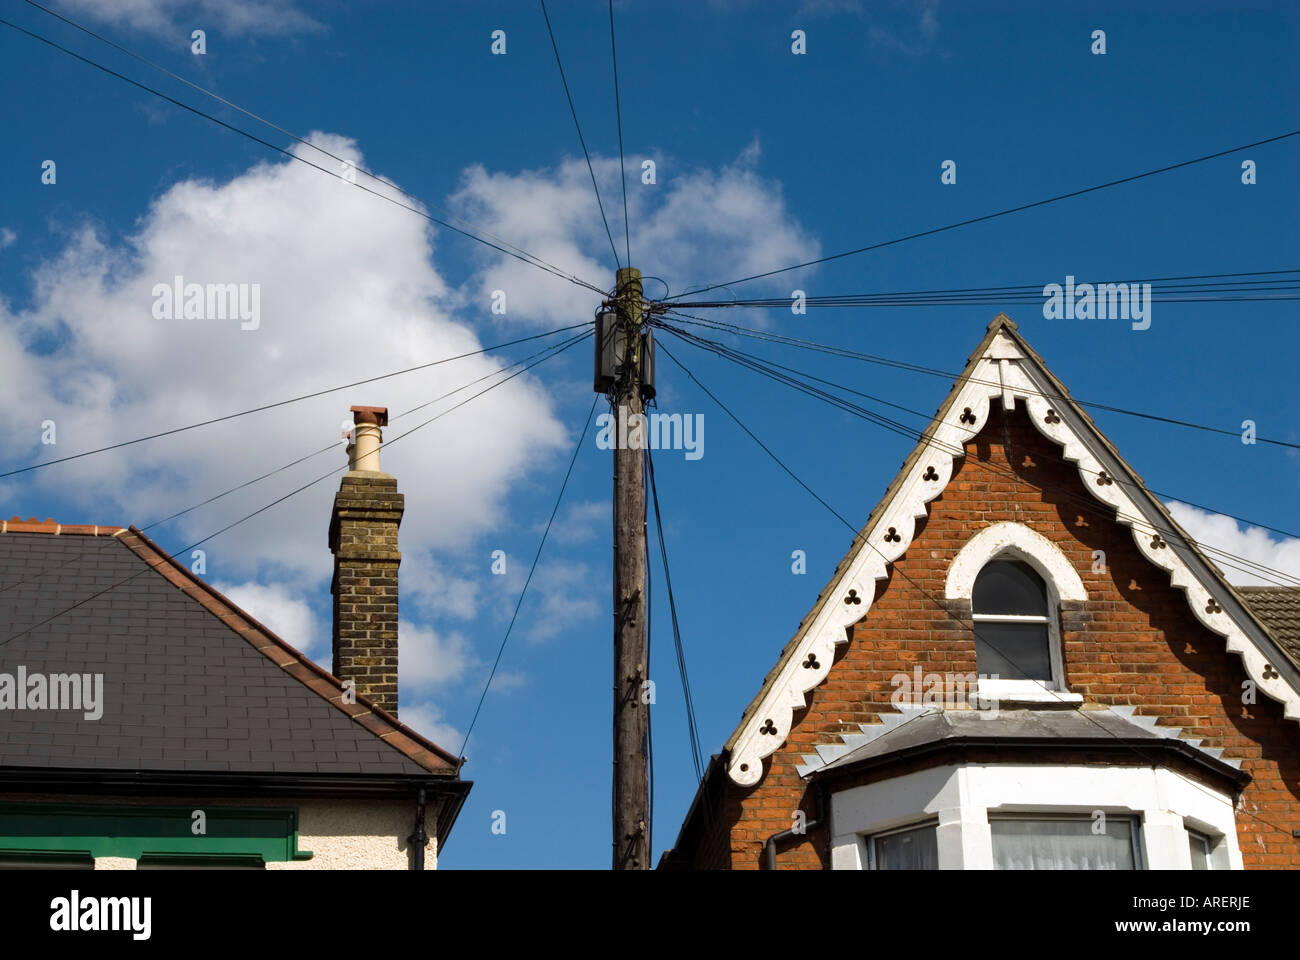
point(49, 525)
point(386, 727)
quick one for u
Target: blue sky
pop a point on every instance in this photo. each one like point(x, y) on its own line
point(763, 159)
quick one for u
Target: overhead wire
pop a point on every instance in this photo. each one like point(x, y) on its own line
point(302, 459)
point(1270, 574)
point(1000, 213)
point(649, 620)
point(573, 110)
point(293, 156)
point(692, 727)
point(286, 402)
point(1230, 560)
point(1163, 289)
point(391, 420)
point(577, 447)
point(292, 493)
point(618, 112)
point(847, 353)
point(288, 133)
point(1233, 561)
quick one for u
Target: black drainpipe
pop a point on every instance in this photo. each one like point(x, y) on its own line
point(808, 827)
point(420, 837)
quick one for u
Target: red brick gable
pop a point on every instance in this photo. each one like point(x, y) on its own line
point(1134, 642)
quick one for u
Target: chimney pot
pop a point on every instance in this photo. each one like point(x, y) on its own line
point(375, 415)
point(363, 451)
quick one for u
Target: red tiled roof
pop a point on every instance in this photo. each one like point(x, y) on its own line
point(1279, 609)
point(17, 524)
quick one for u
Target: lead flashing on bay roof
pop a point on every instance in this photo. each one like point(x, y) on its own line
point(1103, 728)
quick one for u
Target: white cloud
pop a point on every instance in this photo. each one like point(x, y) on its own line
point(561, 596)
point(282, 609)
point(440, 592)
point(427, 719)
point(915, 34)
point(177, 18)
point(7, 237)
point(828, 8)
point(429, 658)
point(579, 522)
point(348, 290)
point(692, 227)
point(808, 8)
point(1250, 543)
point(507, 680)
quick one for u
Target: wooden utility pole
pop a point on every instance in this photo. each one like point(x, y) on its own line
point(631, 709)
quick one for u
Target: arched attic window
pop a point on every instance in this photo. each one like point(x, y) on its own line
point(1014, 623)
point(1015, 579)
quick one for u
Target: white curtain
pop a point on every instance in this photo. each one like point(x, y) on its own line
point(910, 850)
point(1062, 845)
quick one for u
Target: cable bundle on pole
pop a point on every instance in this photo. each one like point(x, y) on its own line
point(1266, 285)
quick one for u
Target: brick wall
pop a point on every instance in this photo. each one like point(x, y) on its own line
point(1134, 642)
point(363, 538)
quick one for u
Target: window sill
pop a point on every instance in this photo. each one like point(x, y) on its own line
point(1025, 691)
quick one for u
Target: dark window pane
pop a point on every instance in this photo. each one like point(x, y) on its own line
point(908, 850)
point(1008, 586)
point(1012, 651)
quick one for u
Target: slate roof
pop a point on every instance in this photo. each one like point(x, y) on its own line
point(191, 682)
point(1279, 610)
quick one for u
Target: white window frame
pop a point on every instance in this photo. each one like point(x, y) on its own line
point(1015, 541)
point(870, 841)
point(1051, 619)
point(1195, 837)
point(1135, 827)
point(1220, 856)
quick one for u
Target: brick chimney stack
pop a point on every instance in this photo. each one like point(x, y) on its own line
point(363, 539)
